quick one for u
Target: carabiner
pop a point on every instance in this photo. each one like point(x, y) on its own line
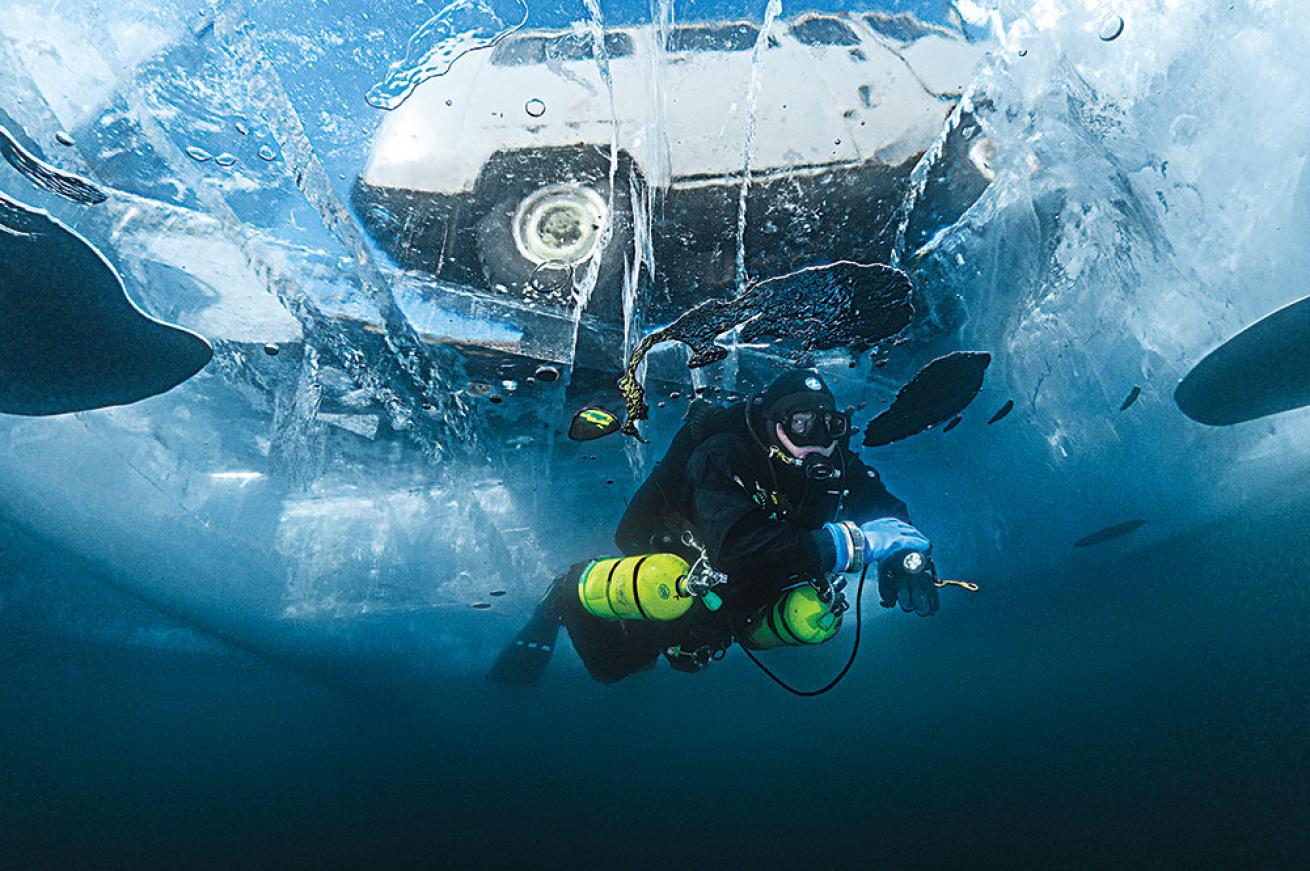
point(944, 582)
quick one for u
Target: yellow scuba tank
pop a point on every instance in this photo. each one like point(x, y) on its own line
point(648, 587)
point(795, 618)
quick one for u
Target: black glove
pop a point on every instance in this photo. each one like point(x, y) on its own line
point(908, 579)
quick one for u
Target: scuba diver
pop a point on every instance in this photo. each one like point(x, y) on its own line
point(740, 534)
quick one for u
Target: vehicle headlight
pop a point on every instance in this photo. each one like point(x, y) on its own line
point(560, 224)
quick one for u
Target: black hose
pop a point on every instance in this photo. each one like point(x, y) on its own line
point(855, 648)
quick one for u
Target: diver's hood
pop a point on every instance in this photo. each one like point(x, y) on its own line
point(795, 391)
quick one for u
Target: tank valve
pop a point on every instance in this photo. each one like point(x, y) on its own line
point(701, 580)
point(703, 577)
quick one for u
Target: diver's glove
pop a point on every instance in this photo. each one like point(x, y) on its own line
point(887, 542)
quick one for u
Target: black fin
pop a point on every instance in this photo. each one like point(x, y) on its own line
point(1262, 370)
point(524, 659)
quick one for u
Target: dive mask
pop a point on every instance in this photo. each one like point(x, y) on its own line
point(815, 427)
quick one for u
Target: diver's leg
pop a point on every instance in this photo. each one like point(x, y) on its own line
point(610, 649)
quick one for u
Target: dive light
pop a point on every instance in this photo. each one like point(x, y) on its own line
point(915, 562)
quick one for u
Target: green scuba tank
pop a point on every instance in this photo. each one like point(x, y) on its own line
point(648, 587)
point(796, 618)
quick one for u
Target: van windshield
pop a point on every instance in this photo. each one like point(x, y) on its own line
point(902, 28)
point(822, 30)
point(732, 37)
point(524, 50)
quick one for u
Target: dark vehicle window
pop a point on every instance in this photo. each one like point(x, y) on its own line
point(733, 37)
point(578, 46)
point(569, 47)
point(902, 28)
point(823, 31)
point(519, 51)
point(618, 44)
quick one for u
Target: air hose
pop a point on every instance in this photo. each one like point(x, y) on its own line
point(850, 660)
point(917, 566)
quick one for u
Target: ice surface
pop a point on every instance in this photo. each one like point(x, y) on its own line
point(459, 28)
point(350, 497)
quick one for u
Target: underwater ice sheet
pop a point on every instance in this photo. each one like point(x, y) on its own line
point(70, 339)
point(1263, 370)
point(1043, 205)
point(838, 305)
point(940, 391)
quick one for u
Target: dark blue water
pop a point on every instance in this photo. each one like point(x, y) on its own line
point(1144, 704)
point(1148, 713)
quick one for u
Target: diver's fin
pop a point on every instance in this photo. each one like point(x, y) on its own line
point(524, 659)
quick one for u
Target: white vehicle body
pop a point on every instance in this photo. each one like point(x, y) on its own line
point(819, 104)
point(502, 166)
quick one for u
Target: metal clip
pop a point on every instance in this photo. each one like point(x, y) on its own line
point(702, 577)
point(944, 582)
point(830, 593)
point(694, 660)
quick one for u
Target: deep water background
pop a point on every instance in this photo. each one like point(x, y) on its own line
point(234, 618)
point(1145, 712)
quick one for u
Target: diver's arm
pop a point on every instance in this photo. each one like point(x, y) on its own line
point(739, 537)
point(867, 497)
point(884, 525)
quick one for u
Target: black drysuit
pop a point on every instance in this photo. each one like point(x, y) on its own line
point(758, 519)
